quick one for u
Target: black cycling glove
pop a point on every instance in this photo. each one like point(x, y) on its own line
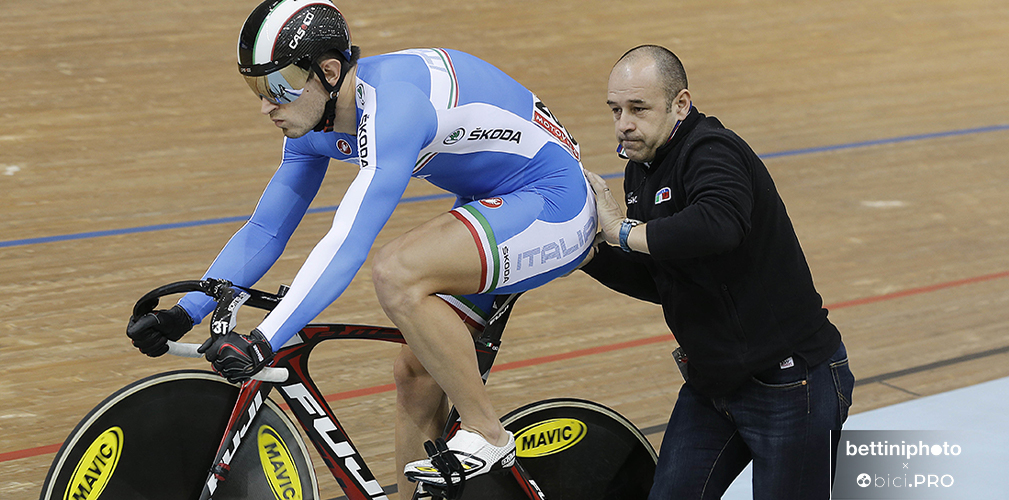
point(238, 357)
point(151, 332)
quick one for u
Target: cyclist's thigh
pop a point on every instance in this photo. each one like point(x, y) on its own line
point(531, 236)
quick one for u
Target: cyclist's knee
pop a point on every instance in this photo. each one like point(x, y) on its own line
point(393, 279)
point(385, 267)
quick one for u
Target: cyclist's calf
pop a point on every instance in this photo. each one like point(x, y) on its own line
point(421, 410)
point(413, 383)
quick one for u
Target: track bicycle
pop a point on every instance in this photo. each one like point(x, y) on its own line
point(189, 434)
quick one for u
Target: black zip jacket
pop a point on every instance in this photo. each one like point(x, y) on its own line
point(725, 263)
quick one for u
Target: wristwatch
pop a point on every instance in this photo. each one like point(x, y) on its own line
point(625, 230)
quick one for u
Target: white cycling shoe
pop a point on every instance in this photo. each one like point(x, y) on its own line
point(475, 454)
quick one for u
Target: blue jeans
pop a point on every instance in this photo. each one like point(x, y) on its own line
point(780, 419)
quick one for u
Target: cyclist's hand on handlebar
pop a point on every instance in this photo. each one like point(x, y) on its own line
point(151, 332)
point(238, 357)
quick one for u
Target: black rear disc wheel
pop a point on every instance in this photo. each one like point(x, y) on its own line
point(574, 450)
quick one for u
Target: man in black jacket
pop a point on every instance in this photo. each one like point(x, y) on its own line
point(707, 236)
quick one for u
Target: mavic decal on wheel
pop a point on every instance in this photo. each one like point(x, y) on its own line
point(278, 465)
point(96, 466)
point(549, 437)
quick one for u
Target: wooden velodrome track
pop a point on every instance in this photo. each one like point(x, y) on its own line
point(884, 124)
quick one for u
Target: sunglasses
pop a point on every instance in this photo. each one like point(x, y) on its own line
point(281, 86)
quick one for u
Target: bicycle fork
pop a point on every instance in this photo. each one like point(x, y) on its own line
point(250, 399)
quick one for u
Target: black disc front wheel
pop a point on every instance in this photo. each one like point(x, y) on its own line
point(156, 438)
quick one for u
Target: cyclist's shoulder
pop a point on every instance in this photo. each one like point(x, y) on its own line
point(421, 66)
point(394, 67)
point(432, 55)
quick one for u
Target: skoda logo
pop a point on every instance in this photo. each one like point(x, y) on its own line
point(454, 137)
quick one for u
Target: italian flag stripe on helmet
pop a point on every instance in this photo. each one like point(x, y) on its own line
point(274, 22)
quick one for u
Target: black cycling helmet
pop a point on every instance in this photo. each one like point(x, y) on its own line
point(280, 41)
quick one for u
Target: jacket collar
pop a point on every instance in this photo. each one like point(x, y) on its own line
point(677, 137)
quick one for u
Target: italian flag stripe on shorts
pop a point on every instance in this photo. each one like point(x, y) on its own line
point(487, 245)
point(467, 311)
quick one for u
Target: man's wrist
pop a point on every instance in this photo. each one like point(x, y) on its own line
point(625, 231)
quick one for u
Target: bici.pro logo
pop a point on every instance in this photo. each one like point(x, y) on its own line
point(900, 464)
point(864, 480)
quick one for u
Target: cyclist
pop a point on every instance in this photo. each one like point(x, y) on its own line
point(523, 216)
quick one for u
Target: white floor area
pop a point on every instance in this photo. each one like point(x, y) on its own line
point(981, 410)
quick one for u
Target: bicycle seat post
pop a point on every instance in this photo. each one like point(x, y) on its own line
point(489, 341)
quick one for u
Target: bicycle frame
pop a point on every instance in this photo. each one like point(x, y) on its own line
point(310, 409)
point(302, 395)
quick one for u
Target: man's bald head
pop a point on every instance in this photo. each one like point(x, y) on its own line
point(670, 72)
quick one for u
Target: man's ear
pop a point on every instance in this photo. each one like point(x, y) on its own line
point(331, 68)
point(682, 104)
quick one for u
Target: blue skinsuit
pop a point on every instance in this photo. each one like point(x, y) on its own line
point(440, 115)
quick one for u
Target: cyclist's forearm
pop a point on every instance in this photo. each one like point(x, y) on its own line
point(260, 242)
point(243, 261)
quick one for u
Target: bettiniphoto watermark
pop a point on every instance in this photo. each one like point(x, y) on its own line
point(927, 465)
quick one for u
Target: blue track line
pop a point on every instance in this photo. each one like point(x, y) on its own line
point(892, 140)
point(414, 199)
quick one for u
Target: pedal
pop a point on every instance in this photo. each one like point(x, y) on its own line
point(421, 494)
point(446, 493)
point(449, 467)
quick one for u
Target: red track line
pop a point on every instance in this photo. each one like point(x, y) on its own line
point(378, 389)
point(30, 452)
point(581, 352)
point(919, 290)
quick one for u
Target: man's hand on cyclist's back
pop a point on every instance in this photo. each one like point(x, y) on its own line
point(238, 357)
point(151, 332)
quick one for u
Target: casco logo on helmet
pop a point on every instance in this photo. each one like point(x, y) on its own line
point(302, 30)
